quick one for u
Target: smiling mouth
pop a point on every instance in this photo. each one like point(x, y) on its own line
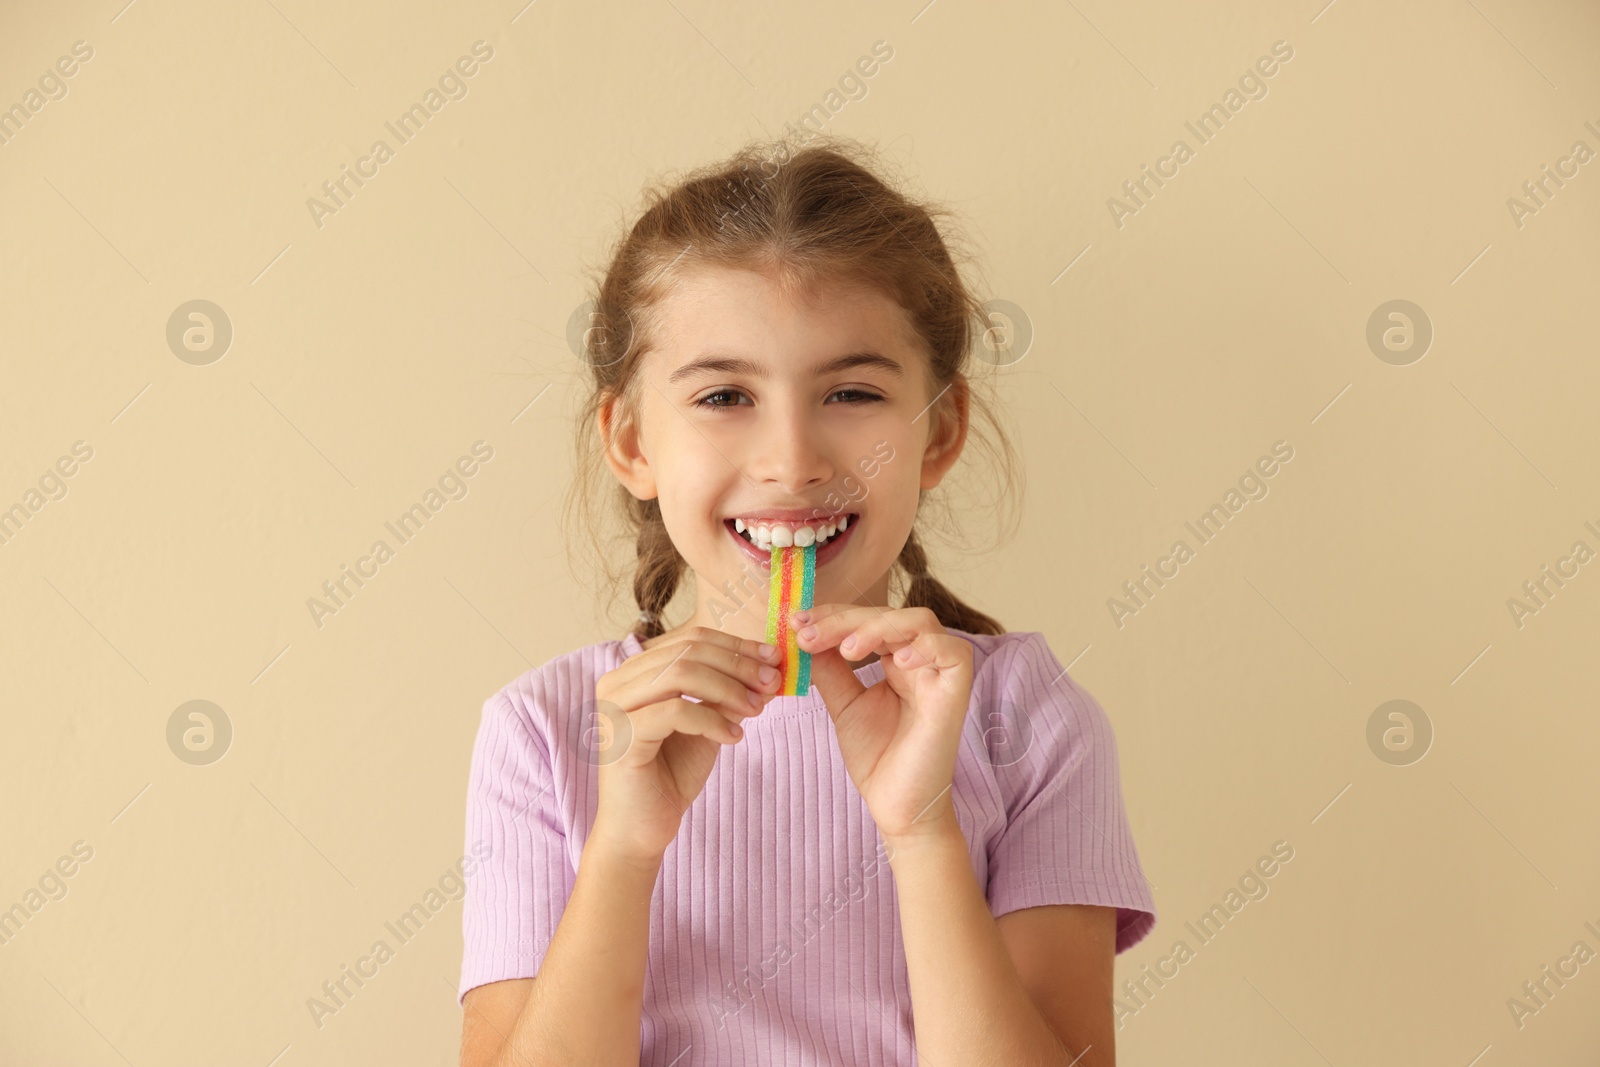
point(760, 551)
point(766, 535)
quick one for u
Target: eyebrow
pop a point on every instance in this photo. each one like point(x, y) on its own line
point(750, 369)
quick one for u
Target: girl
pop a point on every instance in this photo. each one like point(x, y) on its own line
point(927, 854)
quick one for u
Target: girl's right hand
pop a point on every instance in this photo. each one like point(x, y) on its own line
point(655, 750)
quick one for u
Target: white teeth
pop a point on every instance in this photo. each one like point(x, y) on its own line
point(769, 536)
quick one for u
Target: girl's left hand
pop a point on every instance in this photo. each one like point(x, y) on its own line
point(899, 737)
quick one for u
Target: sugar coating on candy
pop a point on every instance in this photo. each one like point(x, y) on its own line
point(794, 576)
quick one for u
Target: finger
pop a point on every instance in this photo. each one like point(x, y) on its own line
point(704, 643)
point(708, 635)
point(701, 670)
point(755, 669)
point(656, 722)
point(860, 630)
point(687, 676)
point(842, 618)
point(836, 682)
point(736, 718)
point(823, 611)
point(708, 683)
point(941, 652)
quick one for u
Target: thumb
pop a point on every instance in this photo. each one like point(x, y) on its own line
point(835, 680)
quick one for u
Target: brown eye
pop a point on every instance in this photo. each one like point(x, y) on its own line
point(710, 400)
point(859, 396)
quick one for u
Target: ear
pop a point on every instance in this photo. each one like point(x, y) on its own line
point(949, 436)
point(619, 437)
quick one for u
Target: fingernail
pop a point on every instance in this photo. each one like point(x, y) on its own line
point(768, 675)
point(848, 644)
point(803, 616)
point(736, 731)
point(809, 632)
point(768, 652)
point(753, 697)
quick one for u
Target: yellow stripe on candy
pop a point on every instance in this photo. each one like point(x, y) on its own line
point(793, 581)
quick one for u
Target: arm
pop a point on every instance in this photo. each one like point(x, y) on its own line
point(974, 1002)
point(656, 750)
point(977, 999)
point(585, 1006)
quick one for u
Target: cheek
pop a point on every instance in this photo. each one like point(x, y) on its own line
point(685, 460)
point(890, 466)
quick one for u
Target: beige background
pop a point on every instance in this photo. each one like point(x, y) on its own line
point(368, 354)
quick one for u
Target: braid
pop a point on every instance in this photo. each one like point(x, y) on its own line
point(926, 591)
point(660, 568)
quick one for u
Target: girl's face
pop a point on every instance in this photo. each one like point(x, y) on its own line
point(798, 417)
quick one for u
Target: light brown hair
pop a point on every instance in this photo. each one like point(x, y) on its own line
point(802, 216)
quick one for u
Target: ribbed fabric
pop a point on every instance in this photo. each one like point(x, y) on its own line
point(774, 929)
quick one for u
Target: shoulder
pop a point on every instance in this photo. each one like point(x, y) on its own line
point(1018, 664)
point(546, 698)
point(1022, 693)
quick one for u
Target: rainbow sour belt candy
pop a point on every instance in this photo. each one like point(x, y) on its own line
point(794, 577)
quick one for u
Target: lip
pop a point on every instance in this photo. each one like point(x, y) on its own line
point(834, 546)
point(790, 515)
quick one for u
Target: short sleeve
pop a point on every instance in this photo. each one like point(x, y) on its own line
point(515, 896)
point(1066, 838)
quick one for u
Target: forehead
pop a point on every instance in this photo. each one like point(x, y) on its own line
point(750, 310)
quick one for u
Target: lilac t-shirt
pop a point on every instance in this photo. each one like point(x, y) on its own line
point(774, 930)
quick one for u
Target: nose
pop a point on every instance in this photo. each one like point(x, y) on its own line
point(787, 451)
